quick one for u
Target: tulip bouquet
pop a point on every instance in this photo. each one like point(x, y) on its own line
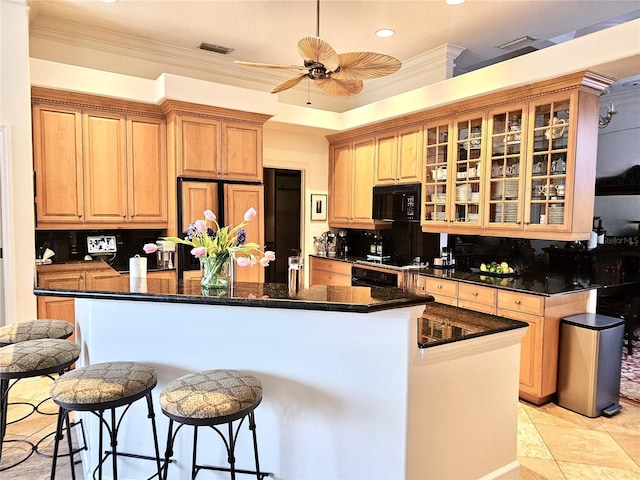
point(216, 248)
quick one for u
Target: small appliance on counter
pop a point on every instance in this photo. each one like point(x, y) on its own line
point(164, 254)
point(101, 246)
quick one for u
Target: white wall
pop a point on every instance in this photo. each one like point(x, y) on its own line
point(17, 194)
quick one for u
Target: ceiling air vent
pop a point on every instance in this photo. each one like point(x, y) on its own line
point(215, 48)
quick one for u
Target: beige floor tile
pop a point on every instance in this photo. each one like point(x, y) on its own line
point(627, 421)
point(539, 469)
point(523, 416)
point(630, 444)
point(585, 446)
point(552, 414)
point(530, 443)
point(580, 471)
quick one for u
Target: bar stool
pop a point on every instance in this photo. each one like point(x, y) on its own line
point(100, 387)
point(31, 358)
point(211, 398)
point(34, 330)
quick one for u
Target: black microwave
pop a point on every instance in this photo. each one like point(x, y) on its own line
point(397, 203)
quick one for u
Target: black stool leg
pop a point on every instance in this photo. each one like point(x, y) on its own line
point(63, 417)
point(113, 434)
point(168, 453)
point(152, 416)
point(4, 400)
point(232, 457)
point(194, 470)
point(252, 427)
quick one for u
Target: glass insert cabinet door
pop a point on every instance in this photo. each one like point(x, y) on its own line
point(468, 170)
point(551, 124)
point(507, 167)
point(435, 183)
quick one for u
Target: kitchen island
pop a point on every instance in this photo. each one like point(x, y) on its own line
point(348, 392)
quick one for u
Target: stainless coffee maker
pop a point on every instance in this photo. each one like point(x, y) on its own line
point(164, 254)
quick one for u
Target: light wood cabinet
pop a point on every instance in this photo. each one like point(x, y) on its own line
point(539, 347)
point(211, 146)
point(399, 156)
point(521, 169)
point(57, 154)
point(238, 199)
point(324, 271)
point(351, 184)
point(196, 197)
point(60, 308)
point(96, 165)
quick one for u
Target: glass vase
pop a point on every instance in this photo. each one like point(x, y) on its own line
point(216, 272)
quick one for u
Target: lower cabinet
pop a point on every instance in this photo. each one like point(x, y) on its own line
point(78, 276)
point(539, 347)
point(323, 271)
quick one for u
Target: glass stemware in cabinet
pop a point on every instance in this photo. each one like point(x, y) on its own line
point(435, 184)
point(468, 170)
point(506, 161)
point(549, 163)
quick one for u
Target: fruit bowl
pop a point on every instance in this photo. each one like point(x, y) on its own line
point(495, 269)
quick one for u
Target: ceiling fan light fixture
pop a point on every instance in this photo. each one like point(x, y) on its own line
point(385, 33)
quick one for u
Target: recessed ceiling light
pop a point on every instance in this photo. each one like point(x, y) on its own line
point(454, 2)
point(385, 32)
point(109, 1)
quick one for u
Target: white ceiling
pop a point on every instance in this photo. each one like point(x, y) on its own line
point(268, 31)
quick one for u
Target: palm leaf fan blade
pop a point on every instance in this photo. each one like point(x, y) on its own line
point(365, 65)
point(292, 82)
point(319, 51)
point(340, 88)
point(269, 65)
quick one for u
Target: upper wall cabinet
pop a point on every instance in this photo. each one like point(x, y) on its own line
point(399, 156)
point(98, 162)
point(522, 166)
point(351, 184)
point(213, 143)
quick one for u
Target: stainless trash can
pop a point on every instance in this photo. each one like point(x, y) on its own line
point(589, 364)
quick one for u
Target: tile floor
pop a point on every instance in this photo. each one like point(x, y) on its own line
point(553, 443)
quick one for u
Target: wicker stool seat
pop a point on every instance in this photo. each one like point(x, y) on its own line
point(211, 398)
point(31, 358)
point(98, 388)
point(34, 330)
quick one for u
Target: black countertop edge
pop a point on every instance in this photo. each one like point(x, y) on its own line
point(397, 300)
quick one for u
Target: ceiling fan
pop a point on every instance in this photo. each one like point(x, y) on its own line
point(339, 75)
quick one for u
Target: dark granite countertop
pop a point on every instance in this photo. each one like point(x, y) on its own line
point(270, 295)
point(539, 283)
point(444, 324)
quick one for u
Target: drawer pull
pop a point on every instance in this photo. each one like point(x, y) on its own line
point(439, 287)
point(517, 302)
point(475, 294)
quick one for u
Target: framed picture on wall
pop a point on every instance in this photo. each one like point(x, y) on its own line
point(318, 206)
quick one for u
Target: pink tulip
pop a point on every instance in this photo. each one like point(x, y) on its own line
point(269, 255)
point(199, 251)
point(209, 215)
point(201, 226)
point(150, 248)
point(251, 296)
point(250, 214)
point(264, 261)
point(243, 262)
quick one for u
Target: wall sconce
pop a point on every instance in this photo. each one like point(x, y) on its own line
point(604, 121)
